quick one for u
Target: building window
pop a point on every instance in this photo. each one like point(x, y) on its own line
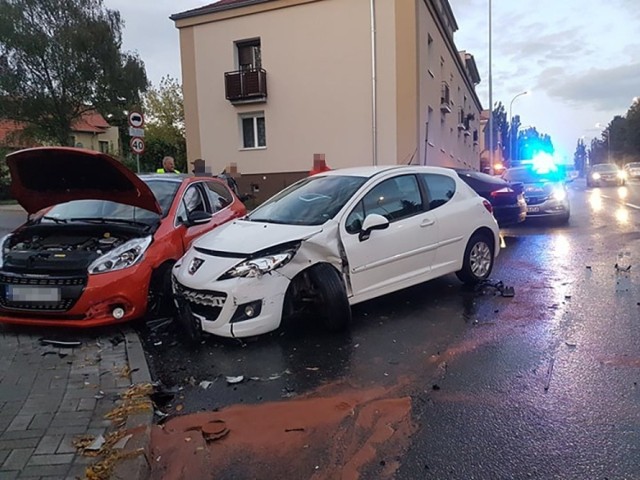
point(249, 55)
point(254, 133)
point(103, 146)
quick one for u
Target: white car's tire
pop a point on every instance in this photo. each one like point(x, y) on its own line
point(478, 259)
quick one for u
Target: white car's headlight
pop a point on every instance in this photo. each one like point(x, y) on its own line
point(559, 194)
point(261, 264)
point(596, 176)
point(622, 175)
point(3, 248)
point(124, 256)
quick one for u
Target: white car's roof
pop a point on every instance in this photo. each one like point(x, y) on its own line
point(371, 171)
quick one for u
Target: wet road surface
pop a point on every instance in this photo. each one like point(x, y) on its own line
point(435, 381)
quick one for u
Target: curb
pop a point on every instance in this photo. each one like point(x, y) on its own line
point(12, 208)
point(136, 466)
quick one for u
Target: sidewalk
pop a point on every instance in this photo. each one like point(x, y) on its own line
point(51, 396)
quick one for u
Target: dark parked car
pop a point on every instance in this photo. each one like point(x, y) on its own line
point(507, 198)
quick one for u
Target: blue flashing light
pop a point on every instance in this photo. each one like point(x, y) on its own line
point(543, 163)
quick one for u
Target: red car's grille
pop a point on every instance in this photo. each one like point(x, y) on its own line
point(68, 291)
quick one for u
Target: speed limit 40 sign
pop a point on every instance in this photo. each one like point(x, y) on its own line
point(137, 145)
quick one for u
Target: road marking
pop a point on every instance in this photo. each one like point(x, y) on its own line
point(630, 205)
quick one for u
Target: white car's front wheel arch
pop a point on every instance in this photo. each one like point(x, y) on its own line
point(320, 289)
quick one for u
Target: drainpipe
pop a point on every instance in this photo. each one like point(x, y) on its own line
point(374, 85)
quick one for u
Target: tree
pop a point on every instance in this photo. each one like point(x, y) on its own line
point(61, 58)
point(580, 157)
point(500, 129)
point(164, 132)
point(532, 142)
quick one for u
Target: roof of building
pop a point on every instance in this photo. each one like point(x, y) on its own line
point(11, 132)
point(91, 122)
point(218, 6)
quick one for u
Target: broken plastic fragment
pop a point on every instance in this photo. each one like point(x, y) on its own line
point(96, 444)
point(234, 380)
point(204, 384)
point(60, 343)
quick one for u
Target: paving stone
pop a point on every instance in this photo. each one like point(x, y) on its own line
point(48, 444)
point(18, 443)
point(19, 434)
point(41, 421)
point(66, 445)
point(62, 459)
point(17, 459)
point(4, 475)
point(20, 422)
point(75, 429)
point(87, 404)
point(3, 455)
point(57, 471)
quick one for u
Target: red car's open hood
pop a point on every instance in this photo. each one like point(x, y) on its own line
point(46, 176)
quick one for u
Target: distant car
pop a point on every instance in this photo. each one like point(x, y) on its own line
point(632, 170)
point(100, 241)
point(333, 240)
point(545, 191)
point(603, 174)
point(507, 199)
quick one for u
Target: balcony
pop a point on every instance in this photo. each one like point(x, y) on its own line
point(246, 86)
point(445, 98)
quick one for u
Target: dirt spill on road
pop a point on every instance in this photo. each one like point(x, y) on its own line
point(320, 436)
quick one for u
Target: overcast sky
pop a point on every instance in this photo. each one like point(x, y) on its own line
point(579, 58)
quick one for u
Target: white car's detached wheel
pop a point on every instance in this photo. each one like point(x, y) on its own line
point(478, 259)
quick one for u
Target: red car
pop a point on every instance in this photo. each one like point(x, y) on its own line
point(100, 241)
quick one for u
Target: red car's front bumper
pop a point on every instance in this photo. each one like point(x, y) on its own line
point(127, 289)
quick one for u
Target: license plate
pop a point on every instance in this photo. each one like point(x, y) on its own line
point(20, 293)
point(533, 209)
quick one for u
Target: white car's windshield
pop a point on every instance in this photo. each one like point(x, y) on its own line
point(100, 210)
point(311, 201)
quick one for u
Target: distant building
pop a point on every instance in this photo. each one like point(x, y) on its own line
point(91, 131)
point(269, 83)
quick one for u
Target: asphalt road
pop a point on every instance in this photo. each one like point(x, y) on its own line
point(438, 381)
point(435, 381)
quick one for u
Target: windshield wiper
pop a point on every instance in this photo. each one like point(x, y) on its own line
point(261, 220)
point(109, 220)
point(54, 219)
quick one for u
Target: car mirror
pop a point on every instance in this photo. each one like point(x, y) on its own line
point(372, 222)
point(197, 218)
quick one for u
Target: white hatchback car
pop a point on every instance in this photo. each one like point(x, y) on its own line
point(330, 241)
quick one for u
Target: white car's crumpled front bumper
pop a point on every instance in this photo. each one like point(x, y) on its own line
point(221, 306)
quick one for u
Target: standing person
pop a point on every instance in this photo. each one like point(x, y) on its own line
point(168, 166)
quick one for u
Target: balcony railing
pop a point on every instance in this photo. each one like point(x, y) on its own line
point(246, 86)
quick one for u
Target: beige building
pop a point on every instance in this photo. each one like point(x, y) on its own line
point(269, 83)
point(91, 131)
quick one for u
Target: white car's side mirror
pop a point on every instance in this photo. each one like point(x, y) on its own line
point(373, 221)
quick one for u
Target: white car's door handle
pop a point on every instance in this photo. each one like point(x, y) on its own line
point(427, 222)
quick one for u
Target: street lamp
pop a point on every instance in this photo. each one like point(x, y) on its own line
point(510, 123)
point(490, 96)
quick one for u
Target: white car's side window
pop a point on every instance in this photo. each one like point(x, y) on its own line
point(394, 199)
point(440, 189)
